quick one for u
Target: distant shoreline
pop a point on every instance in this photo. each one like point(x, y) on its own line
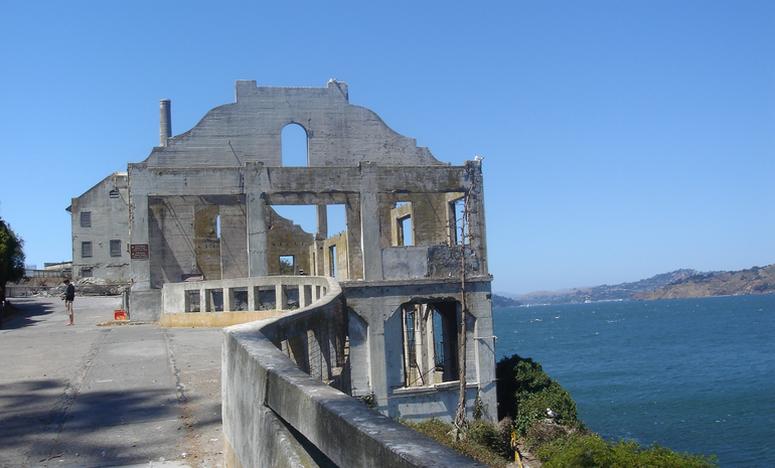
point(607, 301)
point(679, 284)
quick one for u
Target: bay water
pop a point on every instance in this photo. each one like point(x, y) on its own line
point(694, 375)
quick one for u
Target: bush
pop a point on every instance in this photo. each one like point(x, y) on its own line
point(488, 435)
point(525, 391)
point(476, 444)
point(592, 450)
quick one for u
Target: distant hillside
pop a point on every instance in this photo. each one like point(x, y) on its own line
point(606, 292)
point(756, 280)
point(676, 284)
point(503, 301)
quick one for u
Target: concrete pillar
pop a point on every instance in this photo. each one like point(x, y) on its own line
point(322, 222)
point(257, 211)
point(203, 300)
point(140, 268)
point(227, 292)
point(354, 250)
point(302, 296)
point(279, 297)
point(476, 216)
point(314, 355)
point(251, 298)
point(370, 237)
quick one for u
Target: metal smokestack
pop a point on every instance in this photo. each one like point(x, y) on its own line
point(165, 121)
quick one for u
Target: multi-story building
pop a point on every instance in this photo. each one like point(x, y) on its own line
point(100, 230)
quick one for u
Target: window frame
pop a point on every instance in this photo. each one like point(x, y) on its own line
point(84, 244)
point(117, 253)
point(85, 219)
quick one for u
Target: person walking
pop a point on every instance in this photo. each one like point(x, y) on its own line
point(69, 297)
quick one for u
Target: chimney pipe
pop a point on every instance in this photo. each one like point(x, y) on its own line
point(165, 121)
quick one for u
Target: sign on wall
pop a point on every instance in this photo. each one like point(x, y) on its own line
point(138, 251)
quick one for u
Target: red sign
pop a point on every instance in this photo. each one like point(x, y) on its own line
point(138, 251)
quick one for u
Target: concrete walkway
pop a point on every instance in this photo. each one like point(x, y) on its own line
point(91, 395)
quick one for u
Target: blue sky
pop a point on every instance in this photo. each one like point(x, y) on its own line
point(621, 139)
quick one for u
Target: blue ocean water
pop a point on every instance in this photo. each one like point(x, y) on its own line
point(695, 375)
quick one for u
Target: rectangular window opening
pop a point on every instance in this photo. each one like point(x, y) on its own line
point(287, 265)
point(458, 223)
point(87, 272)
point(265, 298)
point(332, 261)
point(290, 297)
point(238, 298)
point(86, 249)
point(192, 301)
point(113, 193)
point(214, 298)
point(115, 248)
point(85, 219)
point(405, 231)
point(430, 343)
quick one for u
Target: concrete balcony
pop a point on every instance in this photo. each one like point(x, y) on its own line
point(285, 403)
point(219, 303)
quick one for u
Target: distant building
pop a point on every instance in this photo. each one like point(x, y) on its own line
point(100, 230)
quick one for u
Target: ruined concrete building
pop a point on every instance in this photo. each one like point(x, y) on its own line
point(203, 239)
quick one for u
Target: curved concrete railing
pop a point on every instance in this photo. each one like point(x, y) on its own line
point(220, 303)
point(277, 410)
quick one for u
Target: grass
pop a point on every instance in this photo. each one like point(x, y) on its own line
point(475, 443)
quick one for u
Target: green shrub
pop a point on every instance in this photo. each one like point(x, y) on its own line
point(482, 441)
point(591, 450)
point(491, 436)
point(525, 391)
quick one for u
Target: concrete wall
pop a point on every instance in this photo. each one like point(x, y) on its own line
point(378, 306)
point(265, 393)
point(339, 133)
point(183, 241)
point(109, 221)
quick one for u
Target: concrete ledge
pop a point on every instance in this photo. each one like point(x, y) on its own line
point(214, 319)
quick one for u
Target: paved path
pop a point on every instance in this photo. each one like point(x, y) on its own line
point(91, 395)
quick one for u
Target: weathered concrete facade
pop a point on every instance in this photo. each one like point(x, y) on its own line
point(100, 231)
point(201, 210)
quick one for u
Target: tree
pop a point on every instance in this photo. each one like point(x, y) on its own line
point(11, 257)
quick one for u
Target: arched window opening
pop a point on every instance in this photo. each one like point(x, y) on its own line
point(294, 146)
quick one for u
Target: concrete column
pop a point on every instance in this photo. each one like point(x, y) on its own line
point(322, 222)
point(251, 298)
point(279, 297)
point(140, 269)
point(203, 300)
point(255, 179)
point(315, 357)
point(354, 253)
point(377, 371)
point(226, 299)
point(302, 296)
point(165, 121)
point(476, 216)
point(370, 237)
